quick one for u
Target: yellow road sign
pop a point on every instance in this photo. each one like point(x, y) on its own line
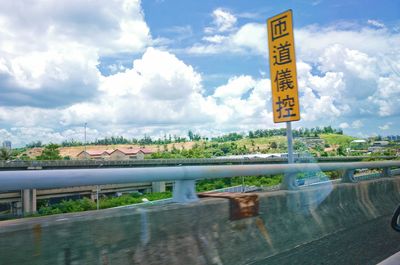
point(282, 61)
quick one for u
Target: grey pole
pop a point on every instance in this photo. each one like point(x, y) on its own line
point(289, 179)
point(85, 138)
point(290, 142)
point(97, 197)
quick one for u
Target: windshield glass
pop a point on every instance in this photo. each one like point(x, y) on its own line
point(199, 132)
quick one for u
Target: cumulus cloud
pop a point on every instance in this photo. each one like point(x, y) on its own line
point(386, 126)
point(251, 37)
point(161, 89)
point(357, 124)
point(349, 73)
point(375, 23)
point(138, 100)
point(49, 52)
point(51, 85)
point(223, 21)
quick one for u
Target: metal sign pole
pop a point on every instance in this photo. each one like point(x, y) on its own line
point(289, 179)
point(283, 75)
point(290, 142)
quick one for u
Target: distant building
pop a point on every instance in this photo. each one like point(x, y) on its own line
point(376, 149)
point(7, 145)
point(394, 138)
point(129, 153)
point(95, 154)
point(250, 156)
point(254, 156)
point(358, 145)
point(380, 143)
point(312, 142)
point(117, 154)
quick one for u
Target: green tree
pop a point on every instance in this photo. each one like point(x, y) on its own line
point(341, 151)
point(190, 135)
point(5, 154)
point(50, 152)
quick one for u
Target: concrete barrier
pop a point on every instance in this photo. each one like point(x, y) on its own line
point(346, 223)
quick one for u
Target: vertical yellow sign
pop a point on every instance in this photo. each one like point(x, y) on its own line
point(282, 61)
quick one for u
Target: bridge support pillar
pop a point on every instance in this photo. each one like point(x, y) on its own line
point(29, 201)
point(16, 208)
point(348, 176)
point(386, 172)
point(158, 186)
point(184, 191)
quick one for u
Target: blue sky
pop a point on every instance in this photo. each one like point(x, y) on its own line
point(159, 67)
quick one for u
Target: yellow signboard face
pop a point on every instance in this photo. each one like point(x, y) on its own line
point(282, 61)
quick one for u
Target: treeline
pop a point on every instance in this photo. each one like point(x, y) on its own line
point(168, 139)
point(113, 140)
point(203, 150)
point(302, 132)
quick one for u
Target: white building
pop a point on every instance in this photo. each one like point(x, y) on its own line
point(7, 145)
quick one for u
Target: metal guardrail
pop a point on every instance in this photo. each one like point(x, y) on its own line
point(59, 164)
point(184, 176)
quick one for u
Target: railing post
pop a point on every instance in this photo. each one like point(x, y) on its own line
point(386, 172)
point(184, 191)
point(29, 201)
point(158, 186)
point(348, 176)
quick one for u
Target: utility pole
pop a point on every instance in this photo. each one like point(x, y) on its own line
point(85, 137)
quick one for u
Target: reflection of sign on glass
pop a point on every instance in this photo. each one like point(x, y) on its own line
point(282, 63)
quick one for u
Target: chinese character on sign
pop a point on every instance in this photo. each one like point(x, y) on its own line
point(284, 80)
point(282, 62)
point(283, 56)
point(285, 107)
point(279, 28)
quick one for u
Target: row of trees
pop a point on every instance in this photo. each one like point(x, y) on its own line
point(302, 132)
point(204, 150)
point(168, 139)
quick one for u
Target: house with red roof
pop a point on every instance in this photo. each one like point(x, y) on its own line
point(129, 153)
point(117, 154)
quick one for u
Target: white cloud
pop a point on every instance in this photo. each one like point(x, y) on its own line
point(51, 85)
point(357, 124)
point(375, 23)
point(138, 100)
point(49, 52)
point(387, 96)
point(223, 21)
point(251, 37)
point(215, 38)
point(235, 88)
point(386, 126)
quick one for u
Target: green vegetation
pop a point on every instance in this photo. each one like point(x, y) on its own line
point(85, 204)
point(203, 150)
point(50, 152)
point(5, 154)
point(261, 181)
point(302, 132)
point(337, 139)
point(259, 141)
